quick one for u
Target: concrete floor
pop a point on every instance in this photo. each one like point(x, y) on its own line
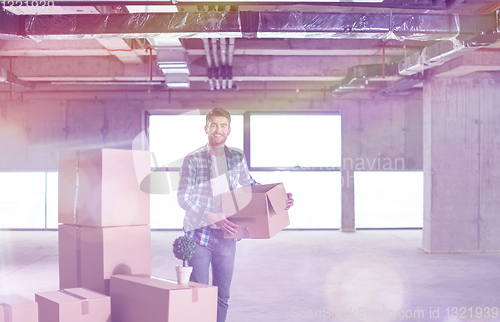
point(308, 275)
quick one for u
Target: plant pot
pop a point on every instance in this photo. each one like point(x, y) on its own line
point(183, 274)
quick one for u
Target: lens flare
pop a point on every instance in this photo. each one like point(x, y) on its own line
point(368, 285)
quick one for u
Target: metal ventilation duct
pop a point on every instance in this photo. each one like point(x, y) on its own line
point(403, 84)
point(395, 4)
point(359, 77)
point(433, 56)
point(246, 24)
point(486, 32)
point(172, 60)
point(17, 84)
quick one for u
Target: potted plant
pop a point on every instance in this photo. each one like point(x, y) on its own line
point(184, 249)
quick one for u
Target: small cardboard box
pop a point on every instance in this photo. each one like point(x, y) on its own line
point(152, 299)
point(259, 211)
point(88, 256)
point(101, 187)
point(73, 305)
point(15, 308)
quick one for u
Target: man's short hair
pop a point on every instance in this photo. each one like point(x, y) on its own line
point(218, 112)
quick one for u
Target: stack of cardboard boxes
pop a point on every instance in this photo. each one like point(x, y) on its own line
point(104, 217)
point(105, 248)
point(104, 230)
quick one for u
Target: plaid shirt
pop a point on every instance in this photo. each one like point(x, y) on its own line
point(195, 189)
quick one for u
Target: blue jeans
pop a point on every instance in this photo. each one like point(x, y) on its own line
point(220, 253)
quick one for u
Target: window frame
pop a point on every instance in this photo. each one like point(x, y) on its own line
point(246, 138)
point(247, 150)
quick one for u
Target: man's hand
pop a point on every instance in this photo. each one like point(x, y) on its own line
point(220, 220)
point(227, 226)
point(289, 201)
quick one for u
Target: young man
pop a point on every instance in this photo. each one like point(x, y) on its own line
point(205, 174)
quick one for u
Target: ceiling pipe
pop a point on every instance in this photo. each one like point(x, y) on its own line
point(107, 83)
point(231, 52)
point(223, 51)
point(230, 62)
point(490, 10)
point(219, 67)
point(223, 62)
point(206, 45)
point(215, 56)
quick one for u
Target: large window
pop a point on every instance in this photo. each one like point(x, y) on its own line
point(28, 200)
point(387, 199)
point(288, 141)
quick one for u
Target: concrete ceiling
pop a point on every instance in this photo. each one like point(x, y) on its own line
point(315, 61)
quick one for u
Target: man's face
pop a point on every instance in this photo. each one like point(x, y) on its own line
point(217, 130)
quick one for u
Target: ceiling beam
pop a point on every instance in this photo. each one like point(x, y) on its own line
point(478, 61)
point(270, 47)
point(254, 68)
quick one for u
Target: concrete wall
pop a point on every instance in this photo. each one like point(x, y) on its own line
point(31, 132)
point(385, 127)
point(33, 127)
point(462, 164)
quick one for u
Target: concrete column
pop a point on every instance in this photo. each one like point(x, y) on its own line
point(350, 147)
point(461, 164)
point(347, 222)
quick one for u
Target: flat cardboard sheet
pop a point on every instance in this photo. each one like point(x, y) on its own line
point(153, 299)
